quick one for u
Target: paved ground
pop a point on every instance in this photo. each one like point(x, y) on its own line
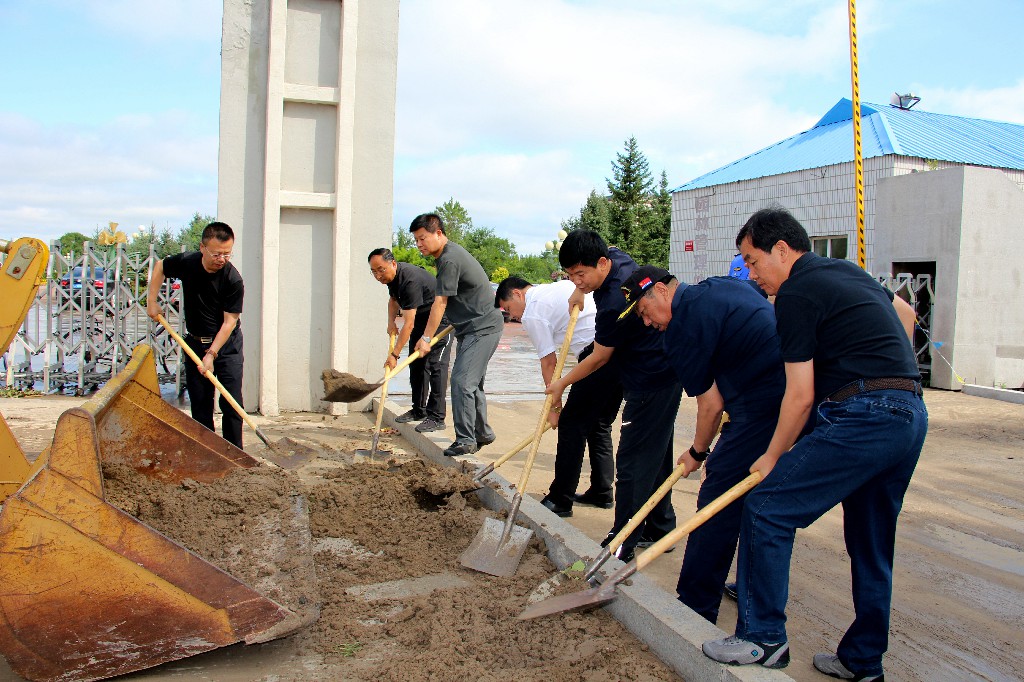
point(958, 607)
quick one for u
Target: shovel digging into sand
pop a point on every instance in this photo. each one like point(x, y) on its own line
point(287, 454)
point(498, 548)
point(342, 387)
point(361, 454)
point(547, 588)
point(598, 596)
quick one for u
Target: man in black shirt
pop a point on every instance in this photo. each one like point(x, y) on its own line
point(411, 293)
point(720, 340)
point(212, 290)
point(650, 389)
point(845, 345)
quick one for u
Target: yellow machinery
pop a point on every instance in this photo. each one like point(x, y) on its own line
point(88, 591)
point(20, 278)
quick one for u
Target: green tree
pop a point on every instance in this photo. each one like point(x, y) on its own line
point(72, 242)
point(500, 273)
point(457, 223)
point(191, 236)
point(629, 195)
point(404, 247)
point(489, 249)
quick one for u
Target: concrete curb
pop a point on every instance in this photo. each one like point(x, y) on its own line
point(1004, 394)
point(673, 632)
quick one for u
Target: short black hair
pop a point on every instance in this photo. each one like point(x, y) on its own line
point(582, 247)
point(222, 232)
point(386, 254)
point(771, 225)
point(505, 288)
point(431, 222)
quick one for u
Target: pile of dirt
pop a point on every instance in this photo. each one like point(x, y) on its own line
point(342, 387)
point(379, 532)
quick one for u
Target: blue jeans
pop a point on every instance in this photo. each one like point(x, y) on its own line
point(861, 452)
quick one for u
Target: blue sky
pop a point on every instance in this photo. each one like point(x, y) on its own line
point(109, 108)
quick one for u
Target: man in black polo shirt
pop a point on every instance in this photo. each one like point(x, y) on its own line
point(212, 291)
point(720, 340)
point(411, 292)
point(845, 344)
point(649, 387)
point(463, 292)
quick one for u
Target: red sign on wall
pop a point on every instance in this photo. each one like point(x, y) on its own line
point(688, 245)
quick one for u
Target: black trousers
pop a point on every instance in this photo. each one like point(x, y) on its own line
point(228, 370)
point(644, 460)
point(428, 377)
point(710, 548)
point(586, 420)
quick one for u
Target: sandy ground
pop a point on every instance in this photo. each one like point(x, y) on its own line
point(958, 605)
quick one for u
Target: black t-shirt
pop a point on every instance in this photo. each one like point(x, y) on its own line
point(413, 288)
point(834, 313)
point(207, 295)
point(639, 353)
point(722, 331)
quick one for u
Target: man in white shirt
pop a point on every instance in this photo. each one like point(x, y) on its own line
point(592, 404)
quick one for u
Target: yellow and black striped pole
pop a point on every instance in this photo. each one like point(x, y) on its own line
point(858, 156)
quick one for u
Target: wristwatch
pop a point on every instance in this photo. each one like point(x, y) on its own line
point(699, 456)
point(396, 356)
point(428, 339)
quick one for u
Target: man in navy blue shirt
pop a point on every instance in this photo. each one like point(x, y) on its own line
point(720, 341)
point(649, 387)
point(846, 347)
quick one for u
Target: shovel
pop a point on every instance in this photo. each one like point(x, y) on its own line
point(598, 596)
point(498, 548)
point(288, 456)
point(342, 387)
point(372, 452)
point(546, 588)
point(506, 457)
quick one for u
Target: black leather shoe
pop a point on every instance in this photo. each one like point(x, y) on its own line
point(557, 509)
point(483, 443)
point(588, 499)
point(627, 557)
point(730, 591)
point(428, 425)
point(410, 416)
point(459, 449)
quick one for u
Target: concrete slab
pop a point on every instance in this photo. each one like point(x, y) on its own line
point(407, 587)
point(1005, 394)
point(673, 632)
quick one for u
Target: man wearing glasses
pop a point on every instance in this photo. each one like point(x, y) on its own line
point(212, 290)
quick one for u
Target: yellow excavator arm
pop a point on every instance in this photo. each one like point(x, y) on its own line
point(22, 273)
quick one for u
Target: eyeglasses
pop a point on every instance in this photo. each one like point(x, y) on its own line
point(218, 256)
point(378, 272)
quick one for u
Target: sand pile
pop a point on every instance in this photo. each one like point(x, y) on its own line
point(379, 534)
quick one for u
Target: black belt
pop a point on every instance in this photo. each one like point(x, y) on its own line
point(202, 339)
point(882, 384)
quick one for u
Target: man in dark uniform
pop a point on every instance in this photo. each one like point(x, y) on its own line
point(649, 387)
point(212, 290)
point(463, 292)
point(846, 347)
point(411, 292)
point(721, 342)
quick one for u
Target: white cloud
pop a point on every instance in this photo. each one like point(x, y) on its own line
point(131, 171)
point(179, 21)
point(998, 104)
point(537, 80)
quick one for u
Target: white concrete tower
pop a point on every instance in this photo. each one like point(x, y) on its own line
point(306, 171)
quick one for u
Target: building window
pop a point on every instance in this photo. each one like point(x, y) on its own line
point(830, 247)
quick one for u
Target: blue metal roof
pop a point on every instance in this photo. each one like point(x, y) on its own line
point(884, 130)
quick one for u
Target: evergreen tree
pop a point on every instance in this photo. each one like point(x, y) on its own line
point(457, 223)
point(191, 236)
point(629, 195)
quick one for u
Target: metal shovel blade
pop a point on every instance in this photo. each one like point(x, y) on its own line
point(577, 601)
point(488, 554)
point(342, 387)
point(288, 453)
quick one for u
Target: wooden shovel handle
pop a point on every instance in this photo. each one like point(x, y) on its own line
point(413, 357)
point(716, 505)
point(209, 375)
point(642, 513)
point(384, 388)
point(543, 421)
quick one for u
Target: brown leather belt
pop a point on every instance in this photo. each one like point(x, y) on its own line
point(882, 384)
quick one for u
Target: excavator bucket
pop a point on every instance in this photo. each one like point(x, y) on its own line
point(88, 591)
